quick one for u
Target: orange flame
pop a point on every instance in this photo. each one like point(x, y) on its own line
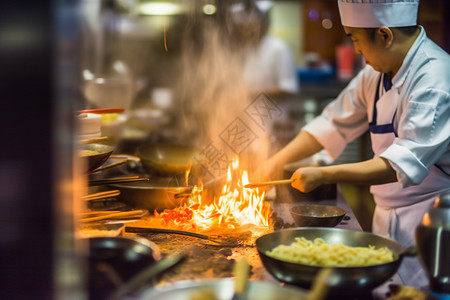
point(234, 207)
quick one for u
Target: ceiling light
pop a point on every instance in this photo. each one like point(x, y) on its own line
point(159, 8)
point(209, 9)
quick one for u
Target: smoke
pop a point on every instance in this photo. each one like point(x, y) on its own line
point(211, 82)
point(211, 87)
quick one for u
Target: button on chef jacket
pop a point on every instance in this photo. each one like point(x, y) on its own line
point(418, 107)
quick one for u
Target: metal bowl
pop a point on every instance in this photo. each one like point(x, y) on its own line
point(222, 289)
point(344, 281)
point(313, 215)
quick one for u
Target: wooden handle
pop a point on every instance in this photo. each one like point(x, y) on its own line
point(112, 216)
point(101, 195)
point(241, 271)
point(99, 212)
point(319, 288)
point(101, 111)
point(116, 180)
point(275, 182)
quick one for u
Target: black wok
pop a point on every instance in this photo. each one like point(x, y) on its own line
point(313, 215)
point(114, 260)
point(166, 159)
point(158, 193)
point(94, 161)
point(344, 281)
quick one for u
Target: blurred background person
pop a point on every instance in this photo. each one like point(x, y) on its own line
point(268, 64)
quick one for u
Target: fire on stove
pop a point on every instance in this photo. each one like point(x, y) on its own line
point(232, 208)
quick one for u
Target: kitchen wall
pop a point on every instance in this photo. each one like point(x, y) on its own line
point(286, 19)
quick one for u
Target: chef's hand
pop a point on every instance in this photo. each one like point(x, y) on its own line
point(307, 179)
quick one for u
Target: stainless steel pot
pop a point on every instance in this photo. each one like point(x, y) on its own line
point(433, 243)
point(344, 281)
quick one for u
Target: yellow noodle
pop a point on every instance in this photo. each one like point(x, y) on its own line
point(320, 253)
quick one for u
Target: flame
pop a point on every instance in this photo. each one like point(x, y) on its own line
point(234, 207)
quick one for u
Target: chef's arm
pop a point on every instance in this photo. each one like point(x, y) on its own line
point(374, 171)
point(302, 146)
point(370, 172)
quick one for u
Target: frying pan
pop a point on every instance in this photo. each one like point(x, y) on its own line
point(344, 281)
point(166, 159)
point(313, 215)
point(158, 193)
point(96, 160)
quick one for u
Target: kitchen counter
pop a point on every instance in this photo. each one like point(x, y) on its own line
point(206, 260)
point(282, 209)
point(351, 223)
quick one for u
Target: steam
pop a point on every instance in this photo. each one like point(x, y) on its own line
point(211, 85)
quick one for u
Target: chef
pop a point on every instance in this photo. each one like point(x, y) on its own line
point(268, 63)
point(402, 96)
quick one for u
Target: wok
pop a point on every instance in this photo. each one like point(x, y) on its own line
point(96, 160)
point(222, 289)
point(113, 260)
point(158, 193)
point(166, 159)
point(313, 215)
point(344, 281)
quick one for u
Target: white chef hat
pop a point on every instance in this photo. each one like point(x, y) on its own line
point(376, 13)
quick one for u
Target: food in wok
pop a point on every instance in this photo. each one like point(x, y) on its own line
point(344, 281)
point(96, 154)
point(321, 253)
point(88, 152)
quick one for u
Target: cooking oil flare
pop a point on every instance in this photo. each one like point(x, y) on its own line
point(234, 207)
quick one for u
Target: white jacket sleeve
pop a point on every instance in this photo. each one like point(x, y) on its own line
point(345, 118)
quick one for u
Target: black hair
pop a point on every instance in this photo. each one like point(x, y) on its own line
point(407, 30)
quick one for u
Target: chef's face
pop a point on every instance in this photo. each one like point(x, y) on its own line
point(371, 46)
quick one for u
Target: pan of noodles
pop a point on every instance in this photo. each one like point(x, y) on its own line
point(360, 261)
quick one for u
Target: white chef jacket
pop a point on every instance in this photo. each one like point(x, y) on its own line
point(271, 66)
point(413, 134)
